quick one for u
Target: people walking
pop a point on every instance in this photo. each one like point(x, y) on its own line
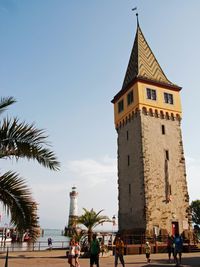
point(94, 251)
point(178, 248)
point(170, 249)
point(49, 241)
point(103, 248)
point(148, 251)
point(77, 253)
point(71, 254)
point(119, 250)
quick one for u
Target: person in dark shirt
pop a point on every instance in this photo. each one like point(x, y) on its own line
point(119, 250)
point(94, 251)
point(178, 248)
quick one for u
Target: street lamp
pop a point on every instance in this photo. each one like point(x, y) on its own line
point(113, 228)
point(114, 220)
point(5, 232)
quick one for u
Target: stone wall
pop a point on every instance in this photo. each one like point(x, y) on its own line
point(167, 200)
point(152, 177)
point(130, 176)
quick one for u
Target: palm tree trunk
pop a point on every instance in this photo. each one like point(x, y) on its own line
point(90, 235)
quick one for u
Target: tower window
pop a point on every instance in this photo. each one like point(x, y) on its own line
point(151, 94)
point(167, 154)
point(168, 98)
point(128, 160)
point(129, 189)
point(120, 106)
point(127, 135)
point(163, 129)
point(130, 98)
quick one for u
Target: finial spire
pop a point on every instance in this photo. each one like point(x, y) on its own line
point(133, 9)
point(137, 20)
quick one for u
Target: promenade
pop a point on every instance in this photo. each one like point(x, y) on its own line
point(56, 258)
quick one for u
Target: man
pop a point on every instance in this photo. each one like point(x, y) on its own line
point(49, 243)
point(94, 251)
point(119, 250)
point(178, 247)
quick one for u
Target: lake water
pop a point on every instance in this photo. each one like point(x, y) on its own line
point(55, 234)
point(58, 241)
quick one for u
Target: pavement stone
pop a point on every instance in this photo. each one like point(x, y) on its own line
point(57, 258)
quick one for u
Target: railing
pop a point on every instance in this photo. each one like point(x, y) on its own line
point(136, 243)
point(32, 246)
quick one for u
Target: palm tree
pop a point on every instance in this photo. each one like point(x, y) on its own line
point(91, 219)
point(21, 140)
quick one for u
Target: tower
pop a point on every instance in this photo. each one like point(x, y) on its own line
point(73, 209)
point(152, 188)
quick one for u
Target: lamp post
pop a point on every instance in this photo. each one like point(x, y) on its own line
point(5, 232)
point(113, 222)
point(113, 228)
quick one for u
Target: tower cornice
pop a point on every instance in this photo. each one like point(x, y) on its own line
point(150, 82)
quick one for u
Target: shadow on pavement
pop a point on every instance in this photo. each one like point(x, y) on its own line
point(190, 261)
point(186, 262)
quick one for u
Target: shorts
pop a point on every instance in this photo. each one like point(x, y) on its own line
point(147, 255)
point(70, 257)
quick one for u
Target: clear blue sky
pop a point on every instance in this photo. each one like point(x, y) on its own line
point(64, 60)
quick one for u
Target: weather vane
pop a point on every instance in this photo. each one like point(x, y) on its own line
point(134, 9)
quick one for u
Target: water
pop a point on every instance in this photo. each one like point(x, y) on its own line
point(55, 234)
point(58, 241)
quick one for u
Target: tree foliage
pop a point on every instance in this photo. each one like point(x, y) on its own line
point(91, 219)
point(195, 209)
point(21, 140)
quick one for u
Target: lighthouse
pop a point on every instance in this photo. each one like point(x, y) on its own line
point(73, 209)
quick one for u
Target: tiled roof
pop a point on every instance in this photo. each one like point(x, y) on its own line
point(143, 64)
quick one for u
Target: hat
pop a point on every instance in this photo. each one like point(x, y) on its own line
point(147, 243)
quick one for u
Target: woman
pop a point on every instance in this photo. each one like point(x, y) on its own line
point(77, 253)
point(71, 254)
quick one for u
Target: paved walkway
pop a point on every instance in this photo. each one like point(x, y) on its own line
point(56, 258)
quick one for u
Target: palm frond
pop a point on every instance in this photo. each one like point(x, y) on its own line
point(5, 102)
point(90, 219)
point(21, 140)
point(18, 202)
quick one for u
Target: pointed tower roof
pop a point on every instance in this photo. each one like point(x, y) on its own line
point(143, 66)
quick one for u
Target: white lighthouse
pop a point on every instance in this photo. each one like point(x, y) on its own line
point(73, 209)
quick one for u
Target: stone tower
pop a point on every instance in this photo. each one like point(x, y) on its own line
point(153, 196)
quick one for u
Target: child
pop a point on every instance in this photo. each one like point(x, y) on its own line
point(77, 253)
point(148, 251)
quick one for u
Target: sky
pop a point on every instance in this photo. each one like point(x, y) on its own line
point(63, 61)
